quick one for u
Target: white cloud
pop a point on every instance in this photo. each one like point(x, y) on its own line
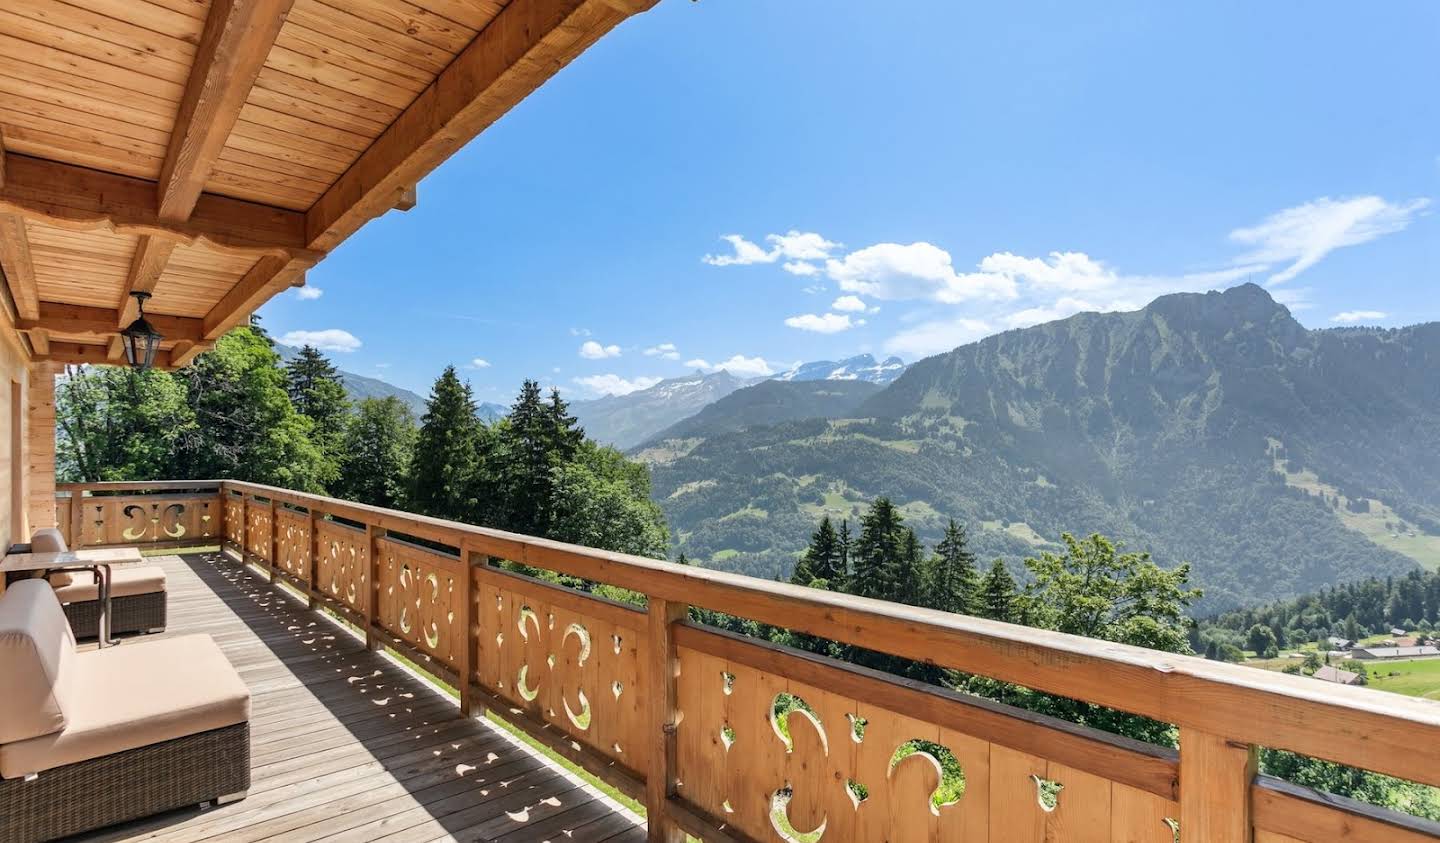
point(330, 339)
point(828, 323)
point(479, 363)
point(737, 365)
point(1059, 310)
point(1065, 271)
point(920, 270)
point(614, 384)
point(592, 350)
point(849, 304)
point(308, 293)
point(1295, 298)
point(1305, 234)
point(793, 246)
point(929, 338)
point(800, 268)
point(665, 350)
point(1349, 316)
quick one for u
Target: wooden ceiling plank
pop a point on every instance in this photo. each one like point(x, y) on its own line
point(67, 196)
point(238, 35)
point(522, 47)
point(15, 257)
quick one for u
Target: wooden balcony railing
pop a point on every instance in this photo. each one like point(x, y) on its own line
point(682, 716)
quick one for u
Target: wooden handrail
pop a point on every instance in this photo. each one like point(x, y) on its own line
point(477, 625)
point(1364, 728)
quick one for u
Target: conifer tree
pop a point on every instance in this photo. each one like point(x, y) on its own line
point(821, 564)
point(532, 444)
point(317, 393)
point(951, 582)
point(445, 461)
point(909, 574)
point(997, 593)
point(879, 552)
point(378, 446)
point(842, 576)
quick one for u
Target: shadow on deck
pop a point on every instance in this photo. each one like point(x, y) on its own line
point(346, 745)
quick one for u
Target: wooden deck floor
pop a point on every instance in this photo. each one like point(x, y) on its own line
point(348, 746)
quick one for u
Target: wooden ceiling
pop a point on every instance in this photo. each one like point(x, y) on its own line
point(211, 151)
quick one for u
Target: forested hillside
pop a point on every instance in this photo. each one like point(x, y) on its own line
point(1186, 429)
point(771, 402)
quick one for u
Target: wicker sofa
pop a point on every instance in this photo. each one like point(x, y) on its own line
point(137, 594)
point(90, 739)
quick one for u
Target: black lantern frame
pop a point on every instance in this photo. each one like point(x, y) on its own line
point(141, 338)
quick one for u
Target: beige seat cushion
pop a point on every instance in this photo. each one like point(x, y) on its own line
point(37, 661)
point(124, 582)
point(51, 540)
point(135, 695)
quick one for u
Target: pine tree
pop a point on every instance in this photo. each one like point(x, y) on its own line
point(909, 574)
point(317, 393)
point(951, 583)
point(821, 564)
point(879, 552)
point(378, 446)
point(532, 444)
point(997, 593)
point(842, 573)
point(445, 461)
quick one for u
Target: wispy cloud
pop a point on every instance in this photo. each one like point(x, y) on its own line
point(614, 384)
point(329, 339)
point(479, 363)
point(938, 335)
point(308, 293)
point(825, 323)
point(738, 364)
point(1348, 317)
point(592, 350)
point(579, 332)
point(665, 350)
point(1303, 235)
point(795, 247)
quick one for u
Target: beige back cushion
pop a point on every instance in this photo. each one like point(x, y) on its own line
point(37, 651)
point(50, 540)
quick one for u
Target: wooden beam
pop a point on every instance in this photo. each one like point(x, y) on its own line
point(526, 44)
point(74, 197)
point(93, 355)
point(19, 268)
point(1215, 779)
point(116, 351)
point(237, 37)
point(660, 668)
point(407, 200)
point(146, 267)
point(184, 352)
point(269, 275)
point(59, 318)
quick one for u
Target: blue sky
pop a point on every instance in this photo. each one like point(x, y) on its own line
point(901, 178)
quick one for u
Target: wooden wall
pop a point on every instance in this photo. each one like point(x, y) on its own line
point(15, 452)
point(40, 455)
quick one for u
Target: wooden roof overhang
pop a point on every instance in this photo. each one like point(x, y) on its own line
point(209, 152)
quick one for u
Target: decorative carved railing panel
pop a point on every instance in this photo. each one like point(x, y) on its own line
point(342, 569)
point(142, 519)
point(257, 530)
point(568, 659)
point(292, 543)
point(234, 517)
point(421, 599)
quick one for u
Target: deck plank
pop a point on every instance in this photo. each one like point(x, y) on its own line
point(346, 745)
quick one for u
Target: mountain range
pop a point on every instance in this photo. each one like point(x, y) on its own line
point(628, 420)
point(1208, 428)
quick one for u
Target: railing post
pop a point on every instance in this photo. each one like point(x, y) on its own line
point(312, 539)
point(661, 666)
point(373, 536)
point(468, 705)
point(271, 563)
point(1215, 780)
point(244, 526)
point(77, 516)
